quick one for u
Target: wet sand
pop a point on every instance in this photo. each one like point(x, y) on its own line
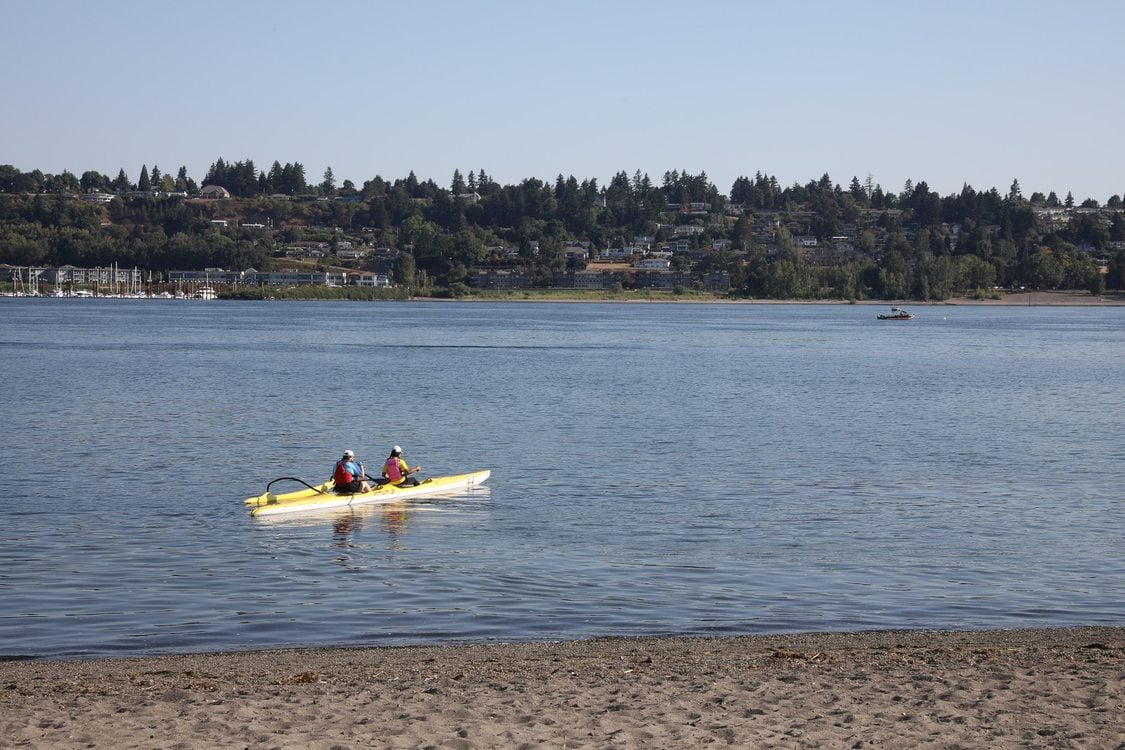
point(1049, 688)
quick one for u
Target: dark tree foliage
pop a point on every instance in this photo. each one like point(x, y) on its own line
point(914, 243)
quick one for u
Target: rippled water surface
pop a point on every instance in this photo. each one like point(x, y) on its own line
point(656, 469)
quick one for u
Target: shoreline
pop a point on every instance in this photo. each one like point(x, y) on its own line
point(1051, 687)
point(1021, 299)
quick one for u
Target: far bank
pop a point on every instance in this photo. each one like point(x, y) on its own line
point(1020, 299)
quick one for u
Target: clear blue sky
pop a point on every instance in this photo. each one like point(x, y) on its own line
point(980, 91)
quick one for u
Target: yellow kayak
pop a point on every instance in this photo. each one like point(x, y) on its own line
point(323, 496)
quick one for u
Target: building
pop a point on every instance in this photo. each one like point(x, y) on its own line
point(500, 279)
point(289, 278)
point(214, 192)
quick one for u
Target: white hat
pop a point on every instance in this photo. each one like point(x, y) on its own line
point(396, 449)
point(349, 454)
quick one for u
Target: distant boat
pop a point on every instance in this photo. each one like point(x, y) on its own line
point(897, 313)
point(204, 292)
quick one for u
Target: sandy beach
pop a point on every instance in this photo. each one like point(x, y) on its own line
point(1050, 688)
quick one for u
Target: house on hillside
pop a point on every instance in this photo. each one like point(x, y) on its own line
point(214, 192)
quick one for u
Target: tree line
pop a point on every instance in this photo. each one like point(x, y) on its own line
point(911, 244)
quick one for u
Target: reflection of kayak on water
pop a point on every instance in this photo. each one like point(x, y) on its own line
point(389, 515)
point(322, 496)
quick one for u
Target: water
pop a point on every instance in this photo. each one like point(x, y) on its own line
point(656, 469)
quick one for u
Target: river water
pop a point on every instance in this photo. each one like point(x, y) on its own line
point(656, 469)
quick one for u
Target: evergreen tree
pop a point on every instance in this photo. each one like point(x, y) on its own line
point(217, 174)
point(243, 179)
point(121, 183)
point(1014, 193)
point(274, 179)
point(857, 192)
point(143, 183)
point(412, 186)
point(292, 179)
point(878, 198)
point(486, 185)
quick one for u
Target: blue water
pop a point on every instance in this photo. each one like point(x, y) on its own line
point(656, 469)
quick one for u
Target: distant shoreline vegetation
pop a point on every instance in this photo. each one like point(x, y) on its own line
point(679, 238)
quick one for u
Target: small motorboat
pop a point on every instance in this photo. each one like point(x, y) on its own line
point(897, 313)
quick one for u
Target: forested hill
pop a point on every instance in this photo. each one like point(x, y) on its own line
point(815, 240)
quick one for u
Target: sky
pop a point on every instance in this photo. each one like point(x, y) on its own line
point(980, 92)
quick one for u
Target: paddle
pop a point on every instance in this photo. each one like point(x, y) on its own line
point(379, 482)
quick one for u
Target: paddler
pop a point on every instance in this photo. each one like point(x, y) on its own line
point(397, 471)
point(348, 475)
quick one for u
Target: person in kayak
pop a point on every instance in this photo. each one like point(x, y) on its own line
point(348, 475)
point(397, 471)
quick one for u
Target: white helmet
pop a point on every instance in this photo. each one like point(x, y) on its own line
point(349, 454)
point(396, 449)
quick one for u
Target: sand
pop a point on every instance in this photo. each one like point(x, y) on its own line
point(1050, 688)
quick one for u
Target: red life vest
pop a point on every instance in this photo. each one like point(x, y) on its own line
point(341, 476)
point(391, 467)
